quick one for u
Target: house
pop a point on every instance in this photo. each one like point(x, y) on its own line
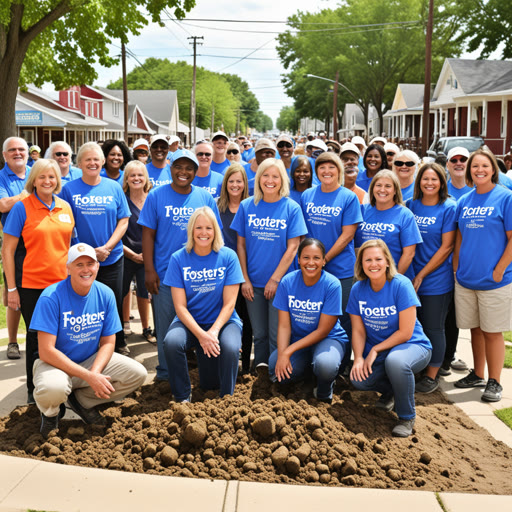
point(353, 122)
point(404, 118)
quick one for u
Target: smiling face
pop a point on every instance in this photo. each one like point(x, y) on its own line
point(285, 149)
point(136, 179)
point(311, 262)
point(302, 175)
point(270, 183)
point(482, 172)
point(328, 174)
point(219, 146)
point(374, 264)
point(263, 154)
point(384, 193)
point(114, 159)
point(62, 156)
point(404, 168)
point(373, 161)
point(46, 182)
point(159, 150)
point(204, 156)
point(235, 185)
point(91, 163)
point(350, 161)
point(204, 234)
point(83, 272)
point(430, 184)
point(183, 172)
point(16, 155)
point(457, 166)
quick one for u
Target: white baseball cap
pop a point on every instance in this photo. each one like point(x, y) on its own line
point(81, 249)
point(459, 150)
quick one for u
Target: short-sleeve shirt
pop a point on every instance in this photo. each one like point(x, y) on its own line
point(220, 168)
point(203, 278)
point(483, 221)
point(433, 222)
point(11, 185)
point(97, 210)
point(380, 311)
point(159, 176)
point(119, 179)
point(305, 304)
point(363, 180)
point(457, 193)
point(167, 212)
point(45, 236)
point(396, 226)
point(326, 213)
point(77, 321)
point(408, 192)
point(73, 174)
point(267, 227)
point(211, 183)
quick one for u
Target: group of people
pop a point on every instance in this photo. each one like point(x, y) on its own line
point(348, 249)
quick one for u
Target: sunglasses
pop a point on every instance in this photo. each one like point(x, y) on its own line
point(61, 153)
point(203, 154)
point(233, 151)
point(284, 145)
point(390, 153)
point(399, 163)
point(461, 159)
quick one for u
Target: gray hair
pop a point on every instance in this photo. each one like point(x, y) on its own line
point(9, 139)
point(53, 145)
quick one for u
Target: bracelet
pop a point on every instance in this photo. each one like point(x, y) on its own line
point(12, 289)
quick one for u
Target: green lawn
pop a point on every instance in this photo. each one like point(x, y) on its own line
point(3, 320)
point(508, 357)
point(505, 415)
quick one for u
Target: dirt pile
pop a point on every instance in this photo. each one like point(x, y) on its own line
point(269, 434)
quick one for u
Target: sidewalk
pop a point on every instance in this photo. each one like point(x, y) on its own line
point(27, 483)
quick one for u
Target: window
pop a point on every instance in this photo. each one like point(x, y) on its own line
point(115, 109)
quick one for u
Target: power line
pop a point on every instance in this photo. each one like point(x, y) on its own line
point(244, 58)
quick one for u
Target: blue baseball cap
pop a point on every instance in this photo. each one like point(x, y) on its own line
point(185, 153)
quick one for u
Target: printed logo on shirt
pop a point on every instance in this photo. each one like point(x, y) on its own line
point(266, 222)
point(376, 318)
point(64, 217)
point(475, 215)
point(377, 227)
point(92, 200)
point(323, 209)
point(210, 190)
point(425, 221)
point(304, 311)
point(205, 280)
point(77, 323)
point(179, 215)
point(157, 183)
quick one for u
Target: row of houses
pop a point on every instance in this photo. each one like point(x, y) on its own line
point(85, 113)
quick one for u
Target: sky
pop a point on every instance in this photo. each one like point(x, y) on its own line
point(226, 40)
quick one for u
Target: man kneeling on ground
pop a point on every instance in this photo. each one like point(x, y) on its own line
point(76, 321)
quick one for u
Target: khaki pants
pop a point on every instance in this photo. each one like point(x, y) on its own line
point(52, 386)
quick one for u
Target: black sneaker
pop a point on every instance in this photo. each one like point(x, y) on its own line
point(426, 385)
point(385, 403)
point(472, 380)
point(49, 423)
point(444, 371)
point(147, 334)
point(492, 391)
point(90, 416)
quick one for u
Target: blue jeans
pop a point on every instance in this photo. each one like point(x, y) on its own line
point(395, 375)
point(263, 317)
point(164, 313)
point(325, 359)
point(432, 316)
point(214, 372)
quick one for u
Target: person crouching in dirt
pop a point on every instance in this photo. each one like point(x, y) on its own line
point(76, 321)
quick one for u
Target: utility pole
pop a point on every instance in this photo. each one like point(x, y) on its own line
point(212, 129)
point(238, 121)
point(335, 107)
point(125, 93)
point(425, 128)
point(193, 94)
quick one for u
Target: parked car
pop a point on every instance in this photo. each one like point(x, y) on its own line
point(444, 144)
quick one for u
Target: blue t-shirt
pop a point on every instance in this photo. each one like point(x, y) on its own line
point(168, 212)
point(305, 304)
point(380, 311)
point(119, 179)
point(11, 185)
point(396, 226)
point(203, 278)
point(483, 221)
point(251, 176)
point(78, 322)
point(326, 213)
point(229, 235)
point(159, 176)
point(363, 180)
point(267, 227)
point(248, 154)
point(295, 195)
point(433, 222)
point(504, 180)
point(73, 174)
point(211, 183)
point(408, 192)
point(97, 210)
point(220, 168)
point(457, 193)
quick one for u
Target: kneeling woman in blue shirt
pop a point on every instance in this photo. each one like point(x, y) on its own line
point(204, 277)
point(388, 342)
point(309, 332)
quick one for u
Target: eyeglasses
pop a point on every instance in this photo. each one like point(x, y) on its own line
point(461, 159)
point(283, 144)
point(203, 154)
point(390, 153)
point(61, 153)
point(399, 163)
point(233, 151)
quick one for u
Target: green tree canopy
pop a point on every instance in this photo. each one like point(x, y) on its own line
point(288, 120)
point(59, 41)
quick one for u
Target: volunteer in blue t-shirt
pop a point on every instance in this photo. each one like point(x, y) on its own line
point(219, 161)
point(204, 277)
point(388, 219)
point(164, 220)
point(483, 279)
point(332, 214)
point(269, 227)
point(434, 212)
point(388, 342)
point(284, 145)
point(301, 177)
point(235, 189)
point(310, 334)
point(374, 160)
point(405, 166)
point(264, 149)
point(456, 164)
point(101, 217)
point(60, 151)
point(205, 177)
point(159, 170)
point(117, 155)
point(76, 321)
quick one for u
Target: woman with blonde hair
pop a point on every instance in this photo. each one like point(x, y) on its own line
point(43, 224)
point(204, 277)
point(269, 226)
point(388, 342)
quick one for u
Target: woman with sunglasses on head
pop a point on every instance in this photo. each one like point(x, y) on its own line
point(388, 219)
point(117, 155)
point(301, 177)
point(405, 165)
point(60, 151)
point(374, 160)
point(206, 178)
point(433, 281)
point(235, 189)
